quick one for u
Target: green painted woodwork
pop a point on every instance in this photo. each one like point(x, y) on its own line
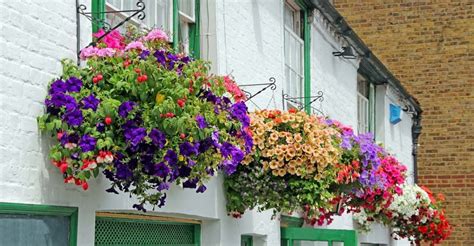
point(372, 97)
point(289, 221)
point(246, 240)
point(194, 32)
point(290, 235)
point(175, 25)
point(305, 6)
point(98, 15)
point(128, 232)
point(46, 210)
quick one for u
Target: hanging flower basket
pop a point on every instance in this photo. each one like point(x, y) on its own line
point(291, 167)
point(144, 116)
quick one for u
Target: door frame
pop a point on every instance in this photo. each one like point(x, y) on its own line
point(348, 237)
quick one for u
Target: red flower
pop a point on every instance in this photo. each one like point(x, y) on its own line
point(423, 229)
point(85, 185)
point(108, 120)
point(59, 135)
point(181, 102)
point(292, 110)
point(63, 167)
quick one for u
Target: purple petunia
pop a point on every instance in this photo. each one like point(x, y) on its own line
point(248, 140)
point(160, 56)
point(90, 102)
point(73, 84)
point(187, 149)
point(125, 108)
point(162, 170)
point(190, 183)
point(100, 127)
point(239, 111)
point(123, 172)
point(171, 157)
point(163, 186)
point(69, 138)
point(57, 86)
point(201, 189)
point(135, 135)
point(87, 143)
point(144, 54)
point(201, 121)
point(158, 138)
point(59, 100)
point(74, 118)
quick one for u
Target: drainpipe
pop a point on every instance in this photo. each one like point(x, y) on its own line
point(415, 134)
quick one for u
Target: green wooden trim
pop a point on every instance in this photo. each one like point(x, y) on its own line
point(348, 237)
point(197, 227)
point(197, 234)
point(194, 32)
point(247, 240)
point(98, 6)
point(307, 58)
point(175, 25)
point(289, 221)
point(372, 111)
point(46, 210)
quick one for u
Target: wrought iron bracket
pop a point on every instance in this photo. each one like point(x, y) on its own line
point(271, 85)
point(139, 13)
point(297, 100)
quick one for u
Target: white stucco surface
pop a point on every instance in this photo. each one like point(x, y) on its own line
point(243, 38)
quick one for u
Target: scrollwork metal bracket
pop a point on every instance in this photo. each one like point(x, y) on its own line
point(138, 13)
point(271, 85)
point(301, 105)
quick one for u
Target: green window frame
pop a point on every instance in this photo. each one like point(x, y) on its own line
point(291, 234)
point(141, 227)
point(246, 240)
point(306, 9)
point(98, 7)
point(46, 210)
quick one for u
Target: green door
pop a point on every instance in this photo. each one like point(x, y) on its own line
point(138, 232)
point(294, 236)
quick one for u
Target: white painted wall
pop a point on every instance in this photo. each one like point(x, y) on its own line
point(243, 38)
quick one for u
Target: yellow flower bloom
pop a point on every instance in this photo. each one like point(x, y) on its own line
point(298, 138)
point(282, 172)
point(159, 98)
point(273, 164)
point(275, 172)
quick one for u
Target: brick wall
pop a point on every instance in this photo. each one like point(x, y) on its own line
point(429, 47)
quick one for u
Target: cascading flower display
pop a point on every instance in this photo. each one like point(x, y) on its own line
point(291, 167)
point(146, 117)
point(368, 177)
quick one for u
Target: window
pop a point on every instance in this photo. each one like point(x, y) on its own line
point(131, 229)
point(22, 224)
point(179, 18)
point(365, 105)
point(294, 51)
point(246, 240)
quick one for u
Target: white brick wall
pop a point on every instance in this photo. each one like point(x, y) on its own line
point(246, 40)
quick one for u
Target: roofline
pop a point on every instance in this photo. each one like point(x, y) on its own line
point(369, 64)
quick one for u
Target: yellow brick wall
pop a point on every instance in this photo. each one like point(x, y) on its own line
point(429, 46)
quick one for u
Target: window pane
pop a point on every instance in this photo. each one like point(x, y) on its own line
point(309, 243)
point(157, 13)
point(187, 7)
point(38, 230)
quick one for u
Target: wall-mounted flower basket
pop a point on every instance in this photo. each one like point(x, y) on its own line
point(144, 116)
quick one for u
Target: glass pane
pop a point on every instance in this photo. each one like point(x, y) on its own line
point(337, 243)
point(310, 243)
point(289, 16)
point(19, 230)
point(187, 8)
point(157, 13)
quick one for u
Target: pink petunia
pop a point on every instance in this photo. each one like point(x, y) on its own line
point(135, 45)
point(156, 34)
